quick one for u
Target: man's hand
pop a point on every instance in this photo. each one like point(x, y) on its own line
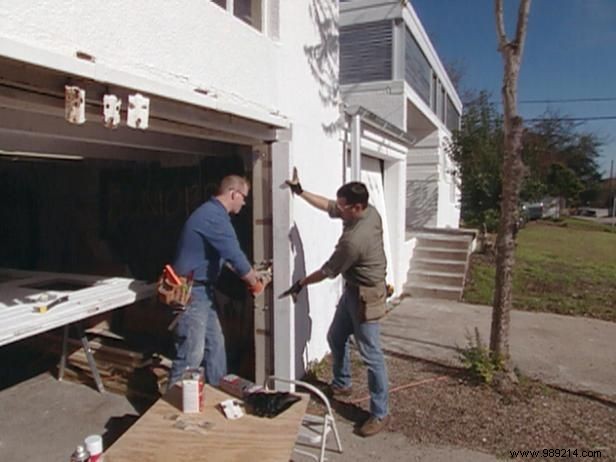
point(257, 288)
point(295, 289)
point(294, 184)
point(265, 276)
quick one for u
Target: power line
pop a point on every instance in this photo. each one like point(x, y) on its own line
point(562, 100)
point(566, 100)
point(572, 119)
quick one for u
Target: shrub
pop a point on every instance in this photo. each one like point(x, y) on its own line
point(477, 359)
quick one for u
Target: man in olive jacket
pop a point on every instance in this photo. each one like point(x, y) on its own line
point(360, 257)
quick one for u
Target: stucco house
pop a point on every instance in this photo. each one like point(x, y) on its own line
point(341, 91)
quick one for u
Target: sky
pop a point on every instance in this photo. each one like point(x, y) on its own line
point(570, 53)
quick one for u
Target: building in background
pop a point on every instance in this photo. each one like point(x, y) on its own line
point(389, 66)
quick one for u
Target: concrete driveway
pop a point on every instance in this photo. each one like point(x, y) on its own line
point(576, 354)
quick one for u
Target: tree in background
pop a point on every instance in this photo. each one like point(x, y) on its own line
point(512, 172)
point(477, 150)
point(562, 159)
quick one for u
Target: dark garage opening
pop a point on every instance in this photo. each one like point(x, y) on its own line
point(122, 218)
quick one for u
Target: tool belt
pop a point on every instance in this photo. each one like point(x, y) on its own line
point(173, 290)
point(372, 302)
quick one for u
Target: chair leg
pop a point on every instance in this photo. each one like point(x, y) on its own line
point(324, 437)
point(338, 443)
point(328, 418)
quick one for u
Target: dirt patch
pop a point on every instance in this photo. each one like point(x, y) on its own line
point(442, 406)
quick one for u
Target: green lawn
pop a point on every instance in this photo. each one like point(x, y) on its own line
point(566, 268)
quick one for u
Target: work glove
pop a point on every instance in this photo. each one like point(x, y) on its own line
point(295, 289)
point(269, 404)
point(294, 184)
point(264, 277)
point(257, 288)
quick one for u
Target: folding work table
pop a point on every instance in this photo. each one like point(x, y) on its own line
point(22, 291)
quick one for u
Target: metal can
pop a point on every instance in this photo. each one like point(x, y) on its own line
point(193, 382)
point(81, 454)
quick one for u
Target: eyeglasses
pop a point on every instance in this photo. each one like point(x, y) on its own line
point(244, 196)
point(342, 208)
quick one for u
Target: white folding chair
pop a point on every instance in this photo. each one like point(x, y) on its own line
point(314, 429)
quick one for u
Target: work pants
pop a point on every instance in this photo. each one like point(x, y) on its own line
point(198, 339)
point(367, 336)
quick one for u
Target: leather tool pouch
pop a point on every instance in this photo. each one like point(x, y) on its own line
point(171, 294)
point(372, 302)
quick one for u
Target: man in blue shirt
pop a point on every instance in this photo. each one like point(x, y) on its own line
point(207, 242)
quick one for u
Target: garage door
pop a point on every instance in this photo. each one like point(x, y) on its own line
point(372, 177)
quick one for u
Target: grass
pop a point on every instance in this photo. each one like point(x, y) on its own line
point(566, 267)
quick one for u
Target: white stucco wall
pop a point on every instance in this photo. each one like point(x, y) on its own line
point(182, 43)
point(308, 89)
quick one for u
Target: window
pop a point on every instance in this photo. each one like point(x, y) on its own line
point(453, 117)
point(439, 101)
point(418, 72)
point(249, 11)
point(433, 93)
point(443, 107)
point(365, 52)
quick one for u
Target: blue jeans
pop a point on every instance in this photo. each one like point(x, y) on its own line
point(367, 336)
point(199, 340)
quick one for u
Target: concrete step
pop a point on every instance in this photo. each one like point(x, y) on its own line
point(444, 242)
point(434, 291)
point(452, 233)
point(437, 253)
point(431, 264)
point(419, 277)
point(439, 262)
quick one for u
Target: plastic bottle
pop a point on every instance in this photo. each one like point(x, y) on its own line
point(81, 454)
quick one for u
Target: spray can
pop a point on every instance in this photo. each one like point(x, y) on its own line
point(81, 454)
point(94, 445)
point(193, 381)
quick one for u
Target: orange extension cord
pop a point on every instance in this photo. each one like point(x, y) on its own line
point(401, 387)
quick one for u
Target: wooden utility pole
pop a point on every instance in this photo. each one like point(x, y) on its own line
point(513, 171)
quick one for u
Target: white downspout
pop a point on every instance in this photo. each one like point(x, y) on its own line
point(356, 147)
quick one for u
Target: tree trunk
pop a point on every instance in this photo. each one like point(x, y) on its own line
point(512, 170)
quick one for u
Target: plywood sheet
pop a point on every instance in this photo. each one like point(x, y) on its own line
point(209, 436)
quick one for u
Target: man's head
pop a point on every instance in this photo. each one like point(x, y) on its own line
point(352, 200)
point(232, 192)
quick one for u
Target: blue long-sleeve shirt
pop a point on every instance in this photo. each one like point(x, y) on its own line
point(206, 242)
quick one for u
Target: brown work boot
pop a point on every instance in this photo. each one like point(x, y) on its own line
point(374, 425)
point(340, 392)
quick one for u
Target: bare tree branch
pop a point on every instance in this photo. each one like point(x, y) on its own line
point(501, 35)
point(520, 33)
